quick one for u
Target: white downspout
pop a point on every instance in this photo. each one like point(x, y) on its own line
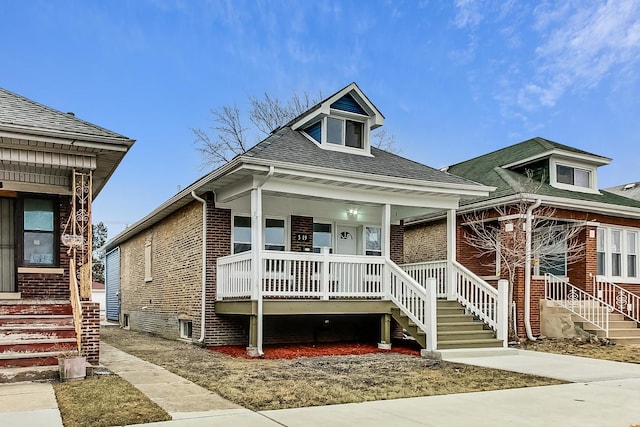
point(204, 263)
point(527, 270)
point(260, 302)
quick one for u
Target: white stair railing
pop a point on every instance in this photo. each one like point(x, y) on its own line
point(417, 301)
point(483, 300)
point(577, 301)
point(477, 296)
point(617, 298)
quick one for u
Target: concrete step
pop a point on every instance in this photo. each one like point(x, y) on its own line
point(615, 333)
point(31, 373)
point(613, 317)
point(28, 359)
point(626, 340)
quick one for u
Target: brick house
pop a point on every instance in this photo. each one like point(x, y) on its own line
point(565, 180)
point(296, 240)
point(52, 165)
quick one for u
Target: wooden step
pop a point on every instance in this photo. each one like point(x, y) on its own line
point(465, 335)
point(36, 309)
point(53, 319)
point(479, 343)
point(455, 318)
point(459, 326)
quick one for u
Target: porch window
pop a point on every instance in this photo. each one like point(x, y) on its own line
point(373, 239)
point(241, 234)
point(552, 253)
point(39, 232)
point(274, 235)
point(322, 237)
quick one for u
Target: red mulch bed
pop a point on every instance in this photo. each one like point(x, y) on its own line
point(294, 351)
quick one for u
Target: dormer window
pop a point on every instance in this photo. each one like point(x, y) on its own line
point(573, 176)
point(344, 132)
point(340, 133)
point(342, 122)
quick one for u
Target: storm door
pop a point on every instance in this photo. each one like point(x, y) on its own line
point(7, 246)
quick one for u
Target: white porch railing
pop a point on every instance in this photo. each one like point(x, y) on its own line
point(302, 275)
point(617, 298)
point(477, 296)
point(421, 271)
point(577, 301)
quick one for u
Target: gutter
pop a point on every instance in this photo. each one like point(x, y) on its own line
point(527, 270)
point(204, 263)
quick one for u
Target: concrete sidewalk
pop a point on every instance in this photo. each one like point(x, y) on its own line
point(28, 405)
point(600, 393)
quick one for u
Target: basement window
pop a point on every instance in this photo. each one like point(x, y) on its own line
point(186, 329)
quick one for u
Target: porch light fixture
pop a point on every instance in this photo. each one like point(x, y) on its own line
point(353, 211)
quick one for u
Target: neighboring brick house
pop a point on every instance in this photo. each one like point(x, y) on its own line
point(52, 165)
point(315, 206)
point(560, 177)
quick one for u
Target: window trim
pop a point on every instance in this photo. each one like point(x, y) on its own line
point(591, 170)
point(182, 323)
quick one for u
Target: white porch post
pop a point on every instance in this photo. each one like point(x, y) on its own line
point(503, 312)
point(386, 248)
point(386, 231)
point(432, 312)
point(256, 248)
point(451, 254)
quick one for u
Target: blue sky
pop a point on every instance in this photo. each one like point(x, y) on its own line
point(453, 79)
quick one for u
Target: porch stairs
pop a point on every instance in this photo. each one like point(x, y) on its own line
point(455, 328)
point(34, 332)
point(621, 331)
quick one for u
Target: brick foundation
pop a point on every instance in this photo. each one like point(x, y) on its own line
point(91, 332)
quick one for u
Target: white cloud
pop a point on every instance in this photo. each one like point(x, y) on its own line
point(582, 44)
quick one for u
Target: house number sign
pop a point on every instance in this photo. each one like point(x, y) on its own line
point(302, 237)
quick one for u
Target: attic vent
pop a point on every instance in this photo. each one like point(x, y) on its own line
point(629, 186)
point(70, 113)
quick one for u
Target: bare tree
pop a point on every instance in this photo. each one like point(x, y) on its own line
point(503, 243)
point(228, 136)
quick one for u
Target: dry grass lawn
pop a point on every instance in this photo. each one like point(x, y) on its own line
point(105, 401)
point(260, 384)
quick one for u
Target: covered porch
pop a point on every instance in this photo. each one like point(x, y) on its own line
point(319, 246)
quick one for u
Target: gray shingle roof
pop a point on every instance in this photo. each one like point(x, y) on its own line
point(291, 146)
point(631, 190)
point(16, 110)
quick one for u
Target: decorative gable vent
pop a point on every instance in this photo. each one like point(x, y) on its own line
point(347, 103)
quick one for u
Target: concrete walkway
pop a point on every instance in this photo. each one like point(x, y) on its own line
point(600, 393)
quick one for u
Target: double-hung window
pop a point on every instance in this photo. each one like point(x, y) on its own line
point(617, 250)
point(39, 237)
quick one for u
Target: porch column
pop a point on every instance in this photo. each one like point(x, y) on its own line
point(386, 231)
point(256, 250)
point(451, 254)
point(385, 332)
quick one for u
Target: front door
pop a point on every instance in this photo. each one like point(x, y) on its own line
point(347, 240)
point(7, 246)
